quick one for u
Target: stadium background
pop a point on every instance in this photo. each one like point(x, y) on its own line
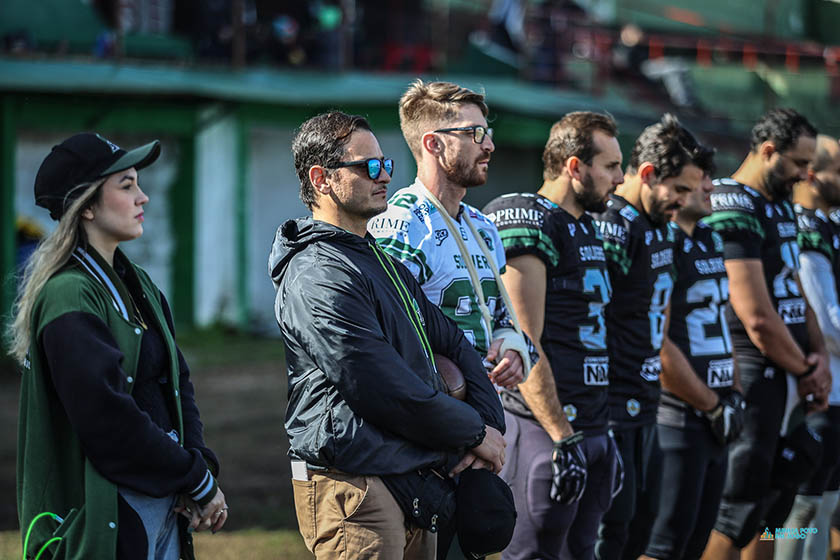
point(223, 84)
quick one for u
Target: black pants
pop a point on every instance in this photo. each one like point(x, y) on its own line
point(626, 526)
point(544, 528)
point(827, 476)
point(693, 474)
point(747, 493)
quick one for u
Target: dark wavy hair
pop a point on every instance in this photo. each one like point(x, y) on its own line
point(572, 136)
point(321, 140)
point(783, 127)
point(669, 147)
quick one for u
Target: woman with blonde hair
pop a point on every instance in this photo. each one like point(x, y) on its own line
point(110, 443)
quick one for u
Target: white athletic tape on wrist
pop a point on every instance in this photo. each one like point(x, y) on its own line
point(512, 340)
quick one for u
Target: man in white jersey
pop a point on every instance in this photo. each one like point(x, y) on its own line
point(448, 245)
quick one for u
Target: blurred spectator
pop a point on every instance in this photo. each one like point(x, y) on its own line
point(27, 235)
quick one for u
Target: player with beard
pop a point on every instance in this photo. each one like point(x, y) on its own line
point(639, 247)
point(819, 258)
point(556, 275)
point(774, 333)
point(701, 408)
point(452, 249)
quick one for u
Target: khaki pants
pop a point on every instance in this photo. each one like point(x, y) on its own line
point(345, 517)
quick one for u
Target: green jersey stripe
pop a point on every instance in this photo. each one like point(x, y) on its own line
point(520, 237)
point(728, 220)
point(402, 251)
point(813, 241)
point(618, 254)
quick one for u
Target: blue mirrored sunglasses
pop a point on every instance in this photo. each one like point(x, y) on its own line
point(374, 166)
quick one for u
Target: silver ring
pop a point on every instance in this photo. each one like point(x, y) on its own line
point(809, 397)
point(225, 508)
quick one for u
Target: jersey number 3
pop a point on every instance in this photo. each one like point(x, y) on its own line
point(594, 335)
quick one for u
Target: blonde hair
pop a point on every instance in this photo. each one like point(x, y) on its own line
point(52, 254)
point(426, 106)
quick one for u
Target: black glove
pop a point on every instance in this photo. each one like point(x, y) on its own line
point(618, 479)
point(568, 469)
point(727, 418)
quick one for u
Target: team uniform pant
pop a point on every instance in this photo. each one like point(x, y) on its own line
point(544, 528)
point(747, 494)
point(693, 473)
point(808, 509)
point(344, 516)
point(626, 526)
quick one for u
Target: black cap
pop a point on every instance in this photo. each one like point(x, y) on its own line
point(84, 158)
point(486, 514)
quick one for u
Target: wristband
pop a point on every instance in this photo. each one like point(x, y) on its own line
point(573, 439)
point(809, 371)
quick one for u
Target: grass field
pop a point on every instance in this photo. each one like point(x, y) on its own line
point(250, 544)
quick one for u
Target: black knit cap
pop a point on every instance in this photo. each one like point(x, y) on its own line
point(486, 514)
point(84, 158)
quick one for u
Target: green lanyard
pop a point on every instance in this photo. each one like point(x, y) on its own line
point(411, 311)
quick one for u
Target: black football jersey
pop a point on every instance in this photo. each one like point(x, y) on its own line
point(753, 227)
point(640, 260)
point(820, 233)
point(577, 288)
point(698, 326)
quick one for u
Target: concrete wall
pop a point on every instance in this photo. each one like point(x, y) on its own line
point(215, 236)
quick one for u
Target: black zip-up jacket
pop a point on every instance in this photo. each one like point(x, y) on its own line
point(363, 397)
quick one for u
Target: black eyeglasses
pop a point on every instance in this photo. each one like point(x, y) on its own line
point(479, 132)
point(374, 166)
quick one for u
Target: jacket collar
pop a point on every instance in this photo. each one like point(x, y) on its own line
point(95, 265)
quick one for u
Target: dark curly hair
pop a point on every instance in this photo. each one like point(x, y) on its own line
point(572, 136)
point(321, 141)
point(783, 127)
point(669, 146)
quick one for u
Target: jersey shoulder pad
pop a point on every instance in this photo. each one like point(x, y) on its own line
point(399, 221)
point(614, 228)
point(406, 231)
point(524, 222)
point(814, 232)
point(734, 197)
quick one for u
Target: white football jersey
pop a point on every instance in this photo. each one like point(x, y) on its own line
point(413, 231)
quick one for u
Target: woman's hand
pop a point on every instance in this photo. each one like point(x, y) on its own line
point(212, 516)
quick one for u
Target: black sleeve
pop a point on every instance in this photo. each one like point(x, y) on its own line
point(121, 441)
point(333, 318)
point(193, 428)
point(446, 338)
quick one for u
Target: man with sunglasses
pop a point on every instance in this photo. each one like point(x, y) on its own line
point(452, 249)
point(365, 400)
